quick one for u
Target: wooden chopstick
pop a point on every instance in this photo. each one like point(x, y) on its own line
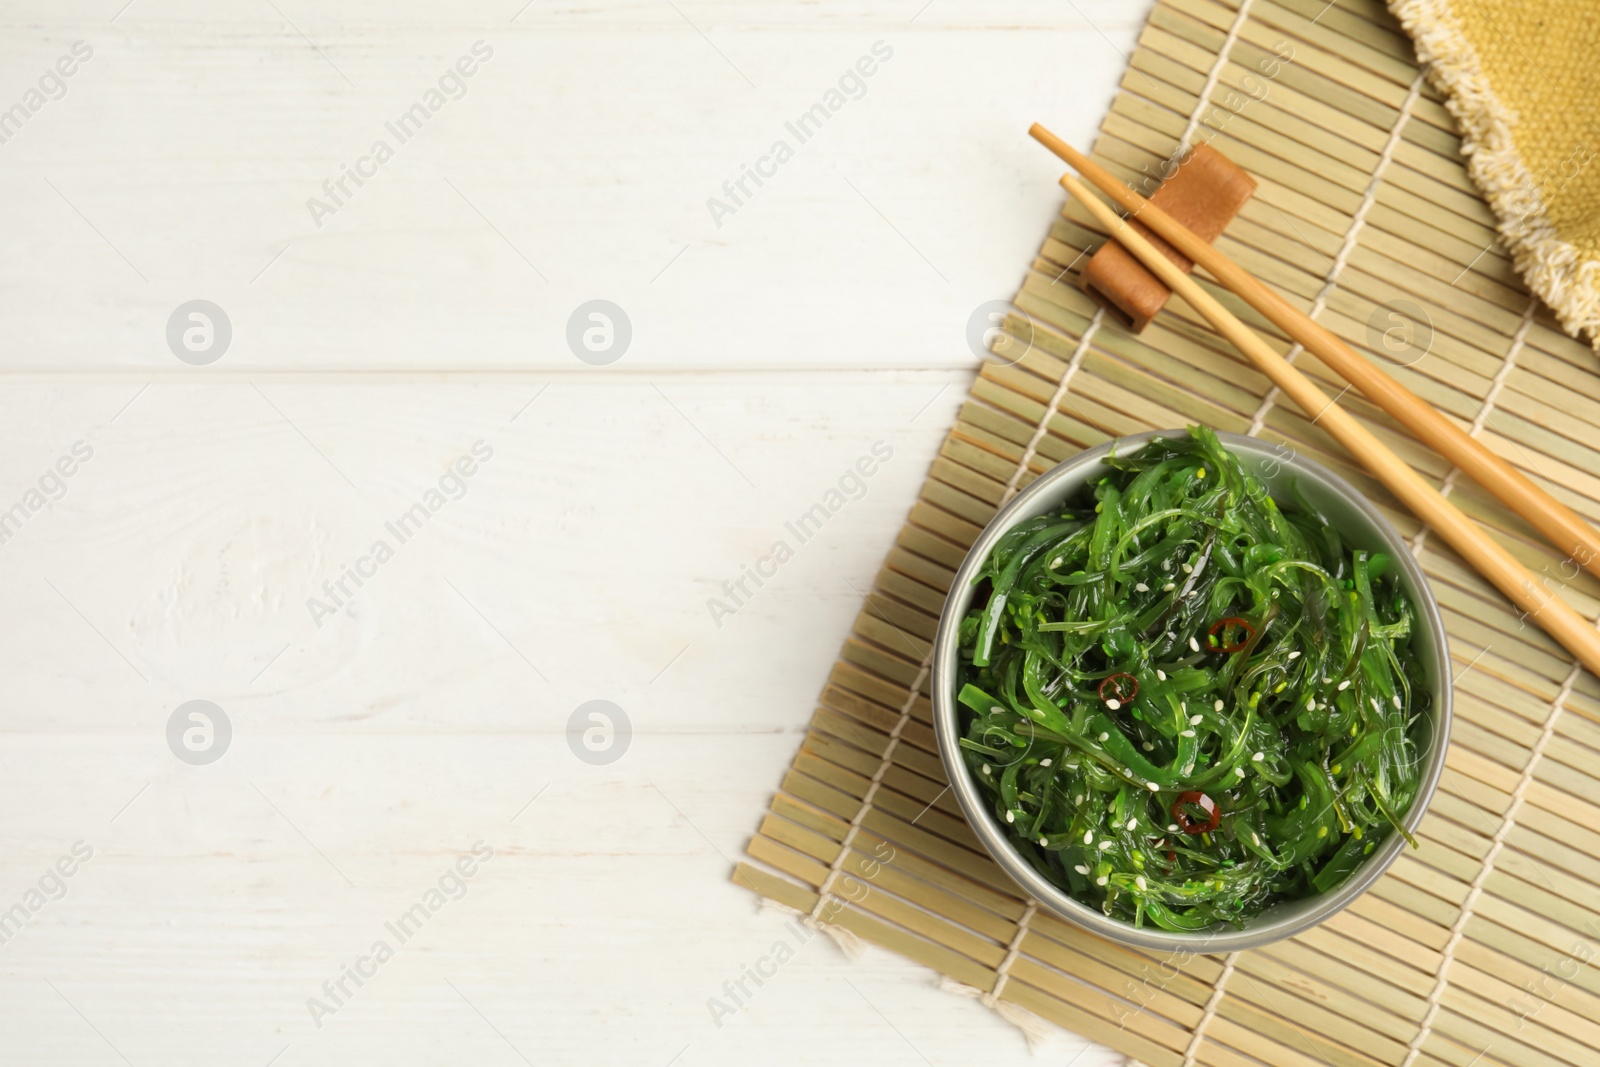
point(1480, 550)
point(1561, 525)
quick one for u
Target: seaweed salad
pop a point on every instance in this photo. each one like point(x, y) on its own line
point(1184, 702)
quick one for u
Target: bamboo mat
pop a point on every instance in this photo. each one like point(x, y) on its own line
point(1475, 949)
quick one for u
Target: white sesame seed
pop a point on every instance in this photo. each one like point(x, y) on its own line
point(995, 709)
point(1100, 880)
point(1396, 699)
point(1194, 646)
point(1196, 720)
point(1105, 737)
point(1258, 757)
point(1133, 824)
point(1113, 704)
point(1081, 869)
point(1169, 587)
point(1239, 771)
point(1255, 838)
point(1188, 568)
point(1311, 703)
point(1172, 827)
point(1078, 799)
point(1216, 705)
point(1344, 685)
point(1152, 787)
point(1042, 841)
point(1138, 880)
point(1088, 837)
point(1140, 587)
point(1010, 817)
point(1105, 845)
point(1161, 675)
point(1148, 747)
point(1055, 562)
point(1295, 654)
point(1187, 733)
point(986, 769)
point(1044, 762)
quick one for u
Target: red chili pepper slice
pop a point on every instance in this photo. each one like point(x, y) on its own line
point(1124, 687)
point(1223, 626)
point(1205, 804)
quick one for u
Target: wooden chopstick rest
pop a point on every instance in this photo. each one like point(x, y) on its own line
point(1205, 193)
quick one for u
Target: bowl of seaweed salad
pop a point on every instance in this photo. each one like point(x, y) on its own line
point(1192, 690)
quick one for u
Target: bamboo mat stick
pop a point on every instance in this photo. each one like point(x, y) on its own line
point(1564, 528)
point(1476, 547)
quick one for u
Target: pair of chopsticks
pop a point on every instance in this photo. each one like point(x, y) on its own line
point(1565, 529)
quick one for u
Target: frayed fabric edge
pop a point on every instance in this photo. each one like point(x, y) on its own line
point(1552, 267)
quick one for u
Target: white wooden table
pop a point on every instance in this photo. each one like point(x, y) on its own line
point(376, 339)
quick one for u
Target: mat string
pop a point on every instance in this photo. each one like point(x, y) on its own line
point(1458, 930)
point(847, 940)
point(1197, 1037)
point(1508, 822)
point(1224, 53)
point(1003, 973)
point(1481, 419)
point(1213, 77)
point(1347, 247)
point(1341, 258)
point(1034, 1029)
point(1053, 408)
point(849, 943)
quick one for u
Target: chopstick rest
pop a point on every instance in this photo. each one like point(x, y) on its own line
point(1205, 193)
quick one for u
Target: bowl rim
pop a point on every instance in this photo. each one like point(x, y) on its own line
point(1264, 929)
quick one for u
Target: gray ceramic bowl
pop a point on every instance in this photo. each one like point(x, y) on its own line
point(1362, 526)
